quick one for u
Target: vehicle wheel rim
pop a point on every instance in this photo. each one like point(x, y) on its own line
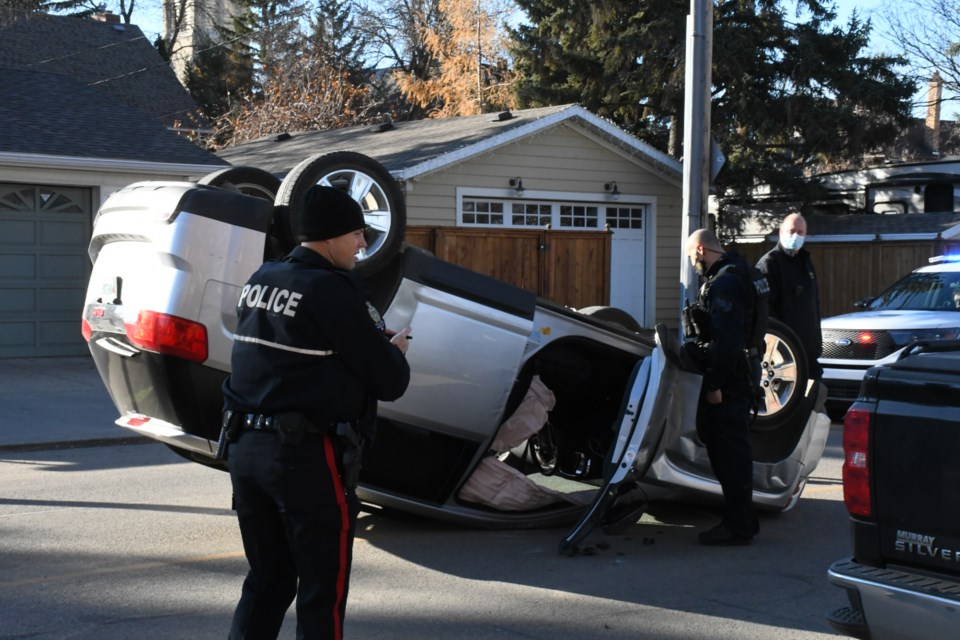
point(251, 189)
point(373, 201)
point(778, 375)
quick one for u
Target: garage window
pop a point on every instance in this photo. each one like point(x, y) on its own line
point(482, 212)
point(625, 217)
point(579, 216)
point(559, 215)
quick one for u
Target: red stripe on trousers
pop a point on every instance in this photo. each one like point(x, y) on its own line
point(344, 533)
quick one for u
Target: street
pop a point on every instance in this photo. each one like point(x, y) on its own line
point(117, 541)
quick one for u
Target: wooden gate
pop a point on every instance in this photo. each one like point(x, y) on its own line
point(568, 267)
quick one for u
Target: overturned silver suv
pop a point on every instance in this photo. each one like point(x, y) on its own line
point(520, 412)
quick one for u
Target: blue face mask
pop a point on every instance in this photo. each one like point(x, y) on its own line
point(791, 241)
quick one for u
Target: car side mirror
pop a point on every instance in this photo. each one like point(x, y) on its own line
point(860, 305)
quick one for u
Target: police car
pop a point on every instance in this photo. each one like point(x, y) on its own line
point(520, 412)
point(924, 305)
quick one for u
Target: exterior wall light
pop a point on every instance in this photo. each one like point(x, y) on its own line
point(517, 184)
point(612, 190)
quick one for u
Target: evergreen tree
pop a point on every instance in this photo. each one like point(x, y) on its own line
point(335, 36)
point(789, 97)
point(264, 32)
point(219, 74)
point(13, 10)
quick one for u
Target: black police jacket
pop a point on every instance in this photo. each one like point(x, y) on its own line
point(724, 298)
point(309, 340)
point(794, 298)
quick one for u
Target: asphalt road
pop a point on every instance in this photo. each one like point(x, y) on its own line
point(102, 540)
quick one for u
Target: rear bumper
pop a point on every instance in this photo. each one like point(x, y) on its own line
point(895, 603)
point(842, 384)
point(164, 397)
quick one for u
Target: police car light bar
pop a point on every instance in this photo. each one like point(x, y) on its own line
point(954, 257)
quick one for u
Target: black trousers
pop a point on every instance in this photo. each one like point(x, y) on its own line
point(725, 431)
point(297, 523)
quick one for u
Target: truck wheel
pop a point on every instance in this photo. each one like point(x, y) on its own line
point(613, 314)
point(783, 379)
point(368, 182)
point(248, 180)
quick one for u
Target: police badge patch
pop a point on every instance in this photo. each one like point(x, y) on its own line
point(375, 316)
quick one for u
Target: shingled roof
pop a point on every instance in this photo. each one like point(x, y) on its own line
point(76, 87)
point(53, 115)
point(412, 149)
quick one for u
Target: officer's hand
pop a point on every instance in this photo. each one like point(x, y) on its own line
point(401, 338)
point(714, 397)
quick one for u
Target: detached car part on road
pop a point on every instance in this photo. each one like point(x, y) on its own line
point(616, 412)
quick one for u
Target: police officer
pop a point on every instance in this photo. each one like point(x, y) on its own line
point(310, 359)
point(794, 298)
point(730, 366)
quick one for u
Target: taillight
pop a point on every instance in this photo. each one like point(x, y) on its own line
point(170, 335)
point(85, 329)
point(856, 461)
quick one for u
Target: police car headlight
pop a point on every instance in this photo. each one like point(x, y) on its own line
point(904, 337)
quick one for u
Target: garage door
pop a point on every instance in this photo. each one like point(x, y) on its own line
point(44, 269)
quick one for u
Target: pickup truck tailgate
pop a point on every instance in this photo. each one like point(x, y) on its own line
point(916, 457)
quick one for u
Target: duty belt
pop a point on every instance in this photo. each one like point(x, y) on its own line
point(261, 422)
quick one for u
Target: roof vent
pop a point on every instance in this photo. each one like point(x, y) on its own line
point(281, 137)
point(383, 126)
point(504, 115)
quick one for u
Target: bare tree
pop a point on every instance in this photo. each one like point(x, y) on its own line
point(928, 32)
point(310, 94)
point(122, 8)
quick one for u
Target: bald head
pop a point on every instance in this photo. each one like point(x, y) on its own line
point(703, 246)
point(794, 223)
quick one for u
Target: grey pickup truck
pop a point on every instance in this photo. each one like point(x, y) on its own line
point(901, 485)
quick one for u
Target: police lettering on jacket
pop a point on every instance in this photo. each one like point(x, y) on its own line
point(270, 299)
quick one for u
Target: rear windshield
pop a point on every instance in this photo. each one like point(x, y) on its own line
point(922, 291)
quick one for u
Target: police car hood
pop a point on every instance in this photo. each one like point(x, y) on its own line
point(892, 320)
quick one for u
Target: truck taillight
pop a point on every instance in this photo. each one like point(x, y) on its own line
point(85, 329)
point(170, 335)
point(856, 462)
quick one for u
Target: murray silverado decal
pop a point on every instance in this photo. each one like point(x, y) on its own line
point(922, 545)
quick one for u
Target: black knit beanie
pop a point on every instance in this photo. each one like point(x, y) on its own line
point(328, 212)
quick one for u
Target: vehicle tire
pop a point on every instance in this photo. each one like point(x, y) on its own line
point(783, 379)
point(613, 314)
point(247, 180)
point(369, 183)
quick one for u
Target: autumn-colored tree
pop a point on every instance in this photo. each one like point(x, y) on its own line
point(470, 74)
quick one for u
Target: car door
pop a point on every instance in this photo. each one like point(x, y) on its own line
point(643, 417)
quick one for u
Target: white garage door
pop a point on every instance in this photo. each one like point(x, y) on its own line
point(44, 232)
point(628, 258)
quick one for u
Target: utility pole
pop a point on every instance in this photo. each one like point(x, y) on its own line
point(696, 132)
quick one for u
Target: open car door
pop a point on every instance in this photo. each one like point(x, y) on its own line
point(643, 416)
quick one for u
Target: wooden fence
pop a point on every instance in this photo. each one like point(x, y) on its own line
point(851, 271)
point(568, 267)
